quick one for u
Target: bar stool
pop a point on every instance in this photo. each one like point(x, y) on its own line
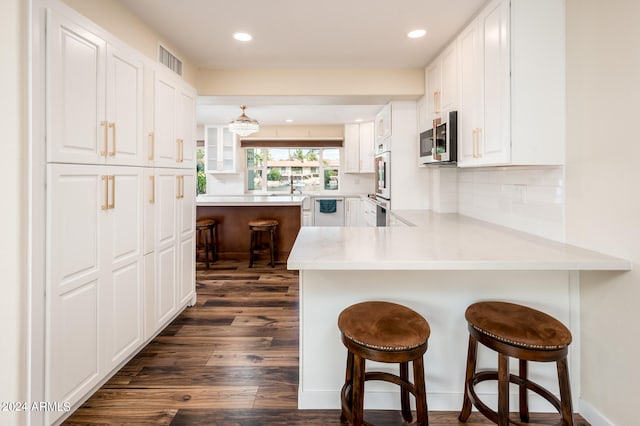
point(257, 228)
point(206, 239)
point(383, 332)
point(523, 333)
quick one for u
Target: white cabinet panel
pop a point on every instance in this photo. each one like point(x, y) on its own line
point(149, 210)
point(166, 146)
point(187, 270)
point(94, 98)
point(166, 270)
point(220, 145)
point(359, 147)
point(75, 92)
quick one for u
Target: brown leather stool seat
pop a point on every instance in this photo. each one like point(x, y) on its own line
point(523, 333)
point(383, 332)
point(207, 239)
point(257, 228)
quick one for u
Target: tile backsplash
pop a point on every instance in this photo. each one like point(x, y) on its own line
point(529, 199)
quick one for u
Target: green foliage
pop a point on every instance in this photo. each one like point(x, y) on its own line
point(274, 175)
point(202, 182)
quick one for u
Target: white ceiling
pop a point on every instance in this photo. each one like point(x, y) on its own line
point(302, 34)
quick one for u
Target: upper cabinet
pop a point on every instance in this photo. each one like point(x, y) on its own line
point(220, 145)
point(506, 79)
point(174, 122)
point(359, 147)
point(383, 128)
point(94, 98)
point(484, 127)
point(441, 78)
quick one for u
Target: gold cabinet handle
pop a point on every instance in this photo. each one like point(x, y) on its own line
point(152, 145)
point(182, 181)
point(177, 187)
point(178, 150)
point(105, 206)
point(152, 200)
point(105, 137)
point(182, 150)
point(112, 178)
point(112, 126)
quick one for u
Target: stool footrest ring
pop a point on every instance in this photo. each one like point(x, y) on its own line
point(482, 376)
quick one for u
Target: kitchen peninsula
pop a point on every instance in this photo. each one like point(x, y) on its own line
point(233, 214)
point(437, 268)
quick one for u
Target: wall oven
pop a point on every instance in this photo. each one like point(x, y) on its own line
point(382, 168)
point(439, 144)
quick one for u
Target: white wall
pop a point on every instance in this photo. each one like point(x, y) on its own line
point(529, 199)
point(603, 197)
point(13, 166)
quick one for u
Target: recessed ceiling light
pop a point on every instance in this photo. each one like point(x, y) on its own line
point(358, 120)
point(243, 37)
point(416, 33)
point(289, 120)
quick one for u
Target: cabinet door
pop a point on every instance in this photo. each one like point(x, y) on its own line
point(185, 129)
point(76, 279)
point(75, 98)
point(124, 108)
point(367, 147)
point(353, 216)
point(149, 210)
point(352, 148)
point(166, 147)
point(449, 95)
point(166, 244)
point(434, 89)
point(186, 250)
point(228, 150)
point(470, 117)
point(123, 253)
point(495, 139)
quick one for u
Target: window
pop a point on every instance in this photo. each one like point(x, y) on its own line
point(293, 169)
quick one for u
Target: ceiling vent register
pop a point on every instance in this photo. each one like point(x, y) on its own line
point(169, 60)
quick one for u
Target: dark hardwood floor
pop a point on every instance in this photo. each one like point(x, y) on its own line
point(230, 360)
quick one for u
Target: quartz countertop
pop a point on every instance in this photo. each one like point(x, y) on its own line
point(439, 242)
point(249, 200)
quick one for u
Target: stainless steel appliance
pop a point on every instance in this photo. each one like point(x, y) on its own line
point(382, 210)
point(382, 168)
point(439, 144)
point(328, 212)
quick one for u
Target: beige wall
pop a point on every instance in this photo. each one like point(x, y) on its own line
point(603, 197)
point(114, 17)
point(13, 164)
point(399, 83)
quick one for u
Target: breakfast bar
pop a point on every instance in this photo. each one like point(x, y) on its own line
point(233, 213)
point(437, 266)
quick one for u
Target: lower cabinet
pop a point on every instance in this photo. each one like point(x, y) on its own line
point(353, 214)
point(107, 292)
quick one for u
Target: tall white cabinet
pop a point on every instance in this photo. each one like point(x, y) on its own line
point(120, 204)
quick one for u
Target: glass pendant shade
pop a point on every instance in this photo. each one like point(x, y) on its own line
point(243, 125)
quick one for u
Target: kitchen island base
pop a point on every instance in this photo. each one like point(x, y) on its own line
point(442, 298)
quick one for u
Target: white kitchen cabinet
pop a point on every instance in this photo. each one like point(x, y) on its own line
point(368, 212)
point(174, 242)
point(503, 96)
point(359, 147)
point(174, 122)
point(220, 145)
point(353, 212)
point(484, 132)
point(94, 274)
point(442, 83)
point(383, 128)
point(94, 97)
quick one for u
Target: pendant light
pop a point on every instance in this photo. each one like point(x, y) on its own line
point(243, 125)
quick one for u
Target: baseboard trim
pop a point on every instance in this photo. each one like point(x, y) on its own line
point(592, 415)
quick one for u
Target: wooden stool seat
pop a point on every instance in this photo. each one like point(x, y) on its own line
point(383, 332)
point(526, 334)
point(257, 227)
point(206, 239)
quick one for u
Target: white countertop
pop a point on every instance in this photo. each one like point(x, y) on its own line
point(249, 200)
point(439, 242)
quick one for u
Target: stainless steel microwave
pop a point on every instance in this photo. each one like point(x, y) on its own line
point(439, 144)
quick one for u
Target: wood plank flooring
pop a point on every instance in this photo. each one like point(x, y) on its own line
point(230, 360)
